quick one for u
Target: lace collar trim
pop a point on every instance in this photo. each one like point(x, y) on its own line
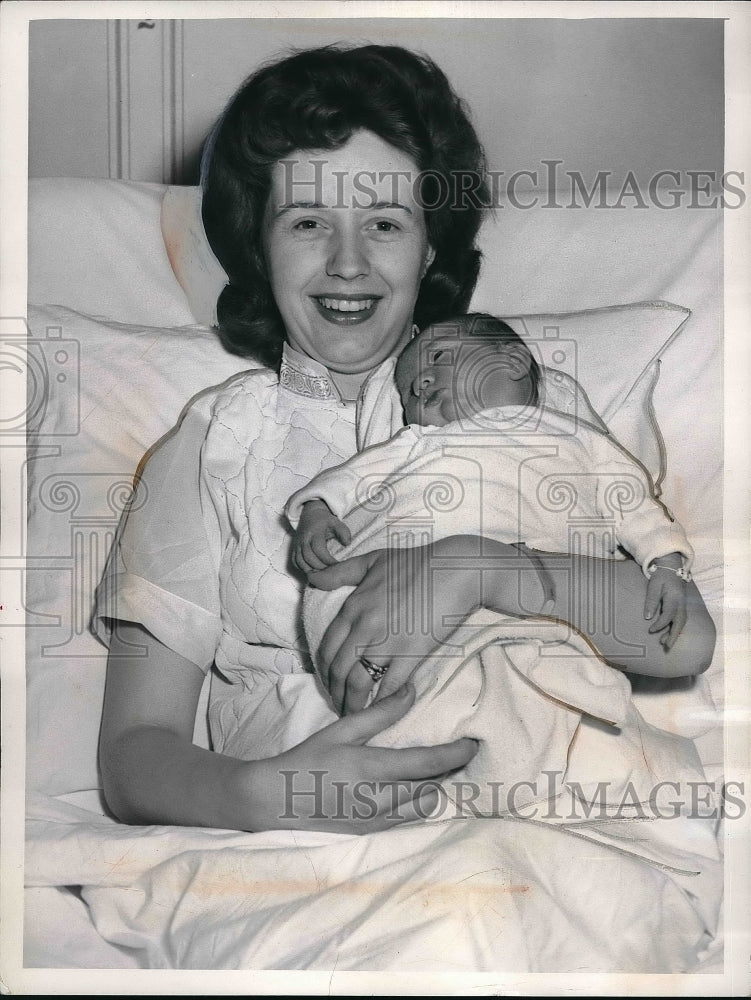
point(306, 377)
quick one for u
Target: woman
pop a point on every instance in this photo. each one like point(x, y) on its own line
point(324, 200)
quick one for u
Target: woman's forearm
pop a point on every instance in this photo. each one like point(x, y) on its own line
point(406, 601)
point(153, 773)
point(151, 770)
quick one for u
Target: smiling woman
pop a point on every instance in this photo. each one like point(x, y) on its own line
point(325, 282)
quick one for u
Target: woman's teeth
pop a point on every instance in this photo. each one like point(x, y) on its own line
point(347, 305)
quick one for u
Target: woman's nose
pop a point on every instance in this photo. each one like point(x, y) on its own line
point(347, 258)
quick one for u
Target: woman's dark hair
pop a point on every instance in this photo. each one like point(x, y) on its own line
point(317, 99)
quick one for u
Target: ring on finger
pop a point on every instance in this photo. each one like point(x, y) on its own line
point(375, 670)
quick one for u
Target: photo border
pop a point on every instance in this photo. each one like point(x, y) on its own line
point(14, 22)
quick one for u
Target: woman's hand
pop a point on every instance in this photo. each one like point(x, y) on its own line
point(333, 782)
point(317, 527)
point(154, 774)
point(406, 602)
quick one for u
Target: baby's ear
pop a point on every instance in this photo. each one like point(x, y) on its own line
point(518, 360)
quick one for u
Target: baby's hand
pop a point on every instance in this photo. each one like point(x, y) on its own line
point(666, 598)
point(310, 549)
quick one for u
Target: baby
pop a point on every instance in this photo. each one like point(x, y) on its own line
point(471, 379)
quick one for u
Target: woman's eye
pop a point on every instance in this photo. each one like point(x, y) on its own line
point(385, 226)
point(306, 224)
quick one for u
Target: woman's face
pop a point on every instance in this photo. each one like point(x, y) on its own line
point(346, 248)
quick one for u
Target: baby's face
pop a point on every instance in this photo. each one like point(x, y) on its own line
point(448, 376)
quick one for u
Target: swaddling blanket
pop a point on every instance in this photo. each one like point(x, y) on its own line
point(532, 691)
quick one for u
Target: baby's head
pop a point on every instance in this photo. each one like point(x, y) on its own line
point(458, 367)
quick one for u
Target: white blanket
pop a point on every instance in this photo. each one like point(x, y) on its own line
point(548, 884)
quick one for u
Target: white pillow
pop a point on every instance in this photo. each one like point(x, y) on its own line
point(123, 388)
point(615, 353)
point(96, 246)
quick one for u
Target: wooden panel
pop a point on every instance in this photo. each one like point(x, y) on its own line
point(106, 99)
point(145, 100)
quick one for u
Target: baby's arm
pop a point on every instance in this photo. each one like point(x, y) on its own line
point(647, 531)
point(666, 596)
point(345, 486)
point(315, 528)
point(316, 510)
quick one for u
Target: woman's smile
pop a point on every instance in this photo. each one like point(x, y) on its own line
point(346, 310)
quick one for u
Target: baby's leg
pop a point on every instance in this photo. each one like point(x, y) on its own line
point(604, 600)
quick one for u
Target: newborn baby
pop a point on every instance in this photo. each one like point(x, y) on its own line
point(474, 377)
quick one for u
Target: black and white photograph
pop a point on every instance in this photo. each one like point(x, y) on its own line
point(374, 442)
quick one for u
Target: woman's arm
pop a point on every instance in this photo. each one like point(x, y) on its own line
point(407, 601)
point(153, 773)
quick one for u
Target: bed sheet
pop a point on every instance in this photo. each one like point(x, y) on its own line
point(619, 257)
point(453, 896)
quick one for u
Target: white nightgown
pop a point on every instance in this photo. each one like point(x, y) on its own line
point(202, 560)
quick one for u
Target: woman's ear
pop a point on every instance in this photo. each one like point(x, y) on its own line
point(429, 258)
